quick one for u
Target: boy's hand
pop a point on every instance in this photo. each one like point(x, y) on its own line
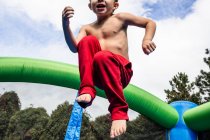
point(148, 46)
point(67, 13)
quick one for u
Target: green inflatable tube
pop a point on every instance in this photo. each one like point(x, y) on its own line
point(65, 75)
point(198, 118)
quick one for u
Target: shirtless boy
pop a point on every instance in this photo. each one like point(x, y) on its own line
point(102, 48)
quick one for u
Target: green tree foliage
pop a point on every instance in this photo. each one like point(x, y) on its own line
point(87, 130)
point(203, 80)
point(28, 123)
point(101, 127)
point(56, 127)
point(9, 104)
point(4, 122)
point(143, 128)
point(203, 84)
point(182, 89)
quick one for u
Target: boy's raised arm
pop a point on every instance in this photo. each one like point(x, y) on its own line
point(71, 41)
point(150, 27)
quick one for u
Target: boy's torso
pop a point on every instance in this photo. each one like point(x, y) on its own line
point(112, 35)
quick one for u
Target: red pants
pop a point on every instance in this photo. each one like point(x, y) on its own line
point(108, 71)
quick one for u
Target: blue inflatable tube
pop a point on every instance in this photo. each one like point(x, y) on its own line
point(181, 131)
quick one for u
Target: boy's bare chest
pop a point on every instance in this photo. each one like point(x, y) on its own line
point(108, 29)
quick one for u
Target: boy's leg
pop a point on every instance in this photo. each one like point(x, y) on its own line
point(87, 48)
point(113, 73)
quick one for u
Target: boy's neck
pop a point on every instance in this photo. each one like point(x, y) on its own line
point(101, 19)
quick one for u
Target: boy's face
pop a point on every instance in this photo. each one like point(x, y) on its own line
point(103, 7)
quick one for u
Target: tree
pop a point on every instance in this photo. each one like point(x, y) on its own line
point(9, 104)
point(57, 125)
point(182, 89)
point(29, 123)
point(203, 80)
point(101, 127)
point(87, 129)
point(4, 122)
point(143, 128)
point(203, 84)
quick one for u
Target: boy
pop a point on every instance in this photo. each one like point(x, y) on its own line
point(102, 48)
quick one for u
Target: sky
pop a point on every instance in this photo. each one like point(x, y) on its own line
point(32, 28)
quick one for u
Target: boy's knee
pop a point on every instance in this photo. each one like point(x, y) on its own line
point(102, 57)
point(88, 42)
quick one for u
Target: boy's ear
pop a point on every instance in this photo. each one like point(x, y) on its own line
point(89, 5)
point(116, 5)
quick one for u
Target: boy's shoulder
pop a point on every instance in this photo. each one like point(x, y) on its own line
point(123, 15)
point(86, 26)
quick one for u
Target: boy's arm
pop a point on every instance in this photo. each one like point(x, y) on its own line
point(68, 13)
point(71, 41)
point(150, 27)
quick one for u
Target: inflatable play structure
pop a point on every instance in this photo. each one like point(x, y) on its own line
point(182, 119)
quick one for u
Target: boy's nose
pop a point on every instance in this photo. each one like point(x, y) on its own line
point(100, 0)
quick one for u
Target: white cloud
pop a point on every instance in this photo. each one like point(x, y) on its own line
point(41, 10)
point(181, 44)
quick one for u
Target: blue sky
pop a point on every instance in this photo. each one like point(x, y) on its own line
point(29, 29)
point(17, 26)
point(163, 9)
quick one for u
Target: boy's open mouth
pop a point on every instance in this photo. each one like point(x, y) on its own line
point(100, 6)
